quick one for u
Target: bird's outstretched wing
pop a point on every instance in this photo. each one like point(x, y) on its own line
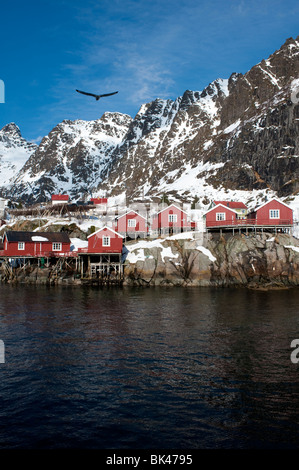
point(109, 94)
point(97, 97)
point(84, 93)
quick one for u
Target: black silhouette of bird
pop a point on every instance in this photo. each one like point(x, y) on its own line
point(97, 97)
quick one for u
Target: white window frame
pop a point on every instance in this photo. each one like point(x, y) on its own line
point(21, 246)
point(132, 223)
point(106, 240)
point(220, 216)
point(172, 217)
point(274, 214)
point(56, 246)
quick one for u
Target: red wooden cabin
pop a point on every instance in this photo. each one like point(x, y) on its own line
point(220, 216)
point(99, 200)
point(273, 212)
point(35, 244)
point(131, 223)
point(102, 257)
point(104, 240)
point(172, 219)
point(60, 198)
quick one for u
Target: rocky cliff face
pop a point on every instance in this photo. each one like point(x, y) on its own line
point(238, 134)
point(258, 261)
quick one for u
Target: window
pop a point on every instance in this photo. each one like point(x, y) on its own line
point(21, 246)
point(131, 222)
point(172, 217)
point(56, 246)
point(274, 213)
point(106, 241)
point(220, 215)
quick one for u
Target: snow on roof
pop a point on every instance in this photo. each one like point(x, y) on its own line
point(22, 236)
point(37, 238)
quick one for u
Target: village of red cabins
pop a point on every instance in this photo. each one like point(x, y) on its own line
point(106, 245)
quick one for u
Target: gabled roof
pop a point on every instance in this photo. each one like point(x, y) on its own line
point(171, 205)
point(267, 202)
point(224, 207)
point(105, 228)
point(129, 212)
point(232, 204)
point(15, 236)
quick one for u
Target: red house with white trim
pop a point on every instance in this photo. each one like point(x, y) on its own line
point(172, 219)
point(131, 224)
point(59, 199)
point(104, 240)
point(220, 216)
point(103, 256)
point(35, 244)
point(273, 212)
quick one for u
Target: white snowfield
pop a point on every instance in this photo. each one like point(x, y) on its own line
point(137, 250)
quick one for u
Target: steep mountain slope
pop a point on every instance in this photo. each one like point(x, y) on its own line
point(236, 135)
point(236, 138)
point(14, 152)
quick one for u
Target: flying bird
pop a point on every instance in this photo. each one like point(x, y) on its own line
point(97, 97)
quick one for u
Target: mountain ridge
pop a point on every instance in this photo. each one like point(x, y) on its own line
point(236, 138)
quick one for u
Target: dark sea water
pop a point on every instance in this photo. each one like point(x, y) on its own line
point(128, 368)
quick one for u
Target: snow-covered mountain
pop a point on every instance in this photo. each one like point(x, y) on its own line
point(238, 138)
point(14, 152)
point(71, 158)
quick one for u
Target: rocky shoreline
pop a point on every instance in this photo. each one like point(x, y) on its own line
point(252, 261)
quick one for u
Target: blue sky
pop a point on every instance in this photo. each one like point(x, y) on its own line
point(143, 49)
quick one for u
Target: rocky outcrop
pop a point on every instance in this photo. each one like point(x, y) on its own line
point(254, 261)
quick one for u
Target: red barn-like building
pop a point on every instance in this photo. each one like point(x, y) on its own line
point(220, 216)
point(131, 224)
point(102, 258)
point(273, 212)
point(104, 240)
point(172, 219)
point(35, 244)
